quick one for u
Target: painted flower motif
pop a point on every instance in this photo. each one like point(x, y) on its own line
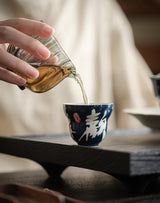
point(76, 117)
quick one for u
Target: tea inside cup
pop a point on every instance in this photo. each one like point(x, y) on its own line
point(88, 122)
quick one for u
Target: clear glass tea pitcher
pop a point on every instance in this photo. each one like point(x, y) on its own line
point(49, 74)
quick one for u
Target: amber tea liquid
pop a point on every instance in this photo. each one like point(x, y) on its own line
point(50, 76)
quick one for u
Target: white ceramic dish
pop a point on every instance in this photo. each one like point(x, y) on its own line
point(149, 117)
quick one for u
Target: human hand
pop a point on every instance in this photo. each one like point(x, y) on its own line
point(16, 32)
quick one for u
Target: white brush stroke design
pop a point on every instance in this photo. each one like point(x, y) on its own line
point(94, 126)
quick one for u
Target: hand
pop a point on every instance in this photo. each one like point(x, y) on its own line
point(16, 32)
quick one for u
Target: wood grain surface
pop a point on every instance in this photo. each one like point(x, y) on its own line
point(122, 152)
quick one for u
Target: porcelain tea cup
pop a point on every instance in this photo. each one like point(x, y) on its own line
point(156, 86)
point(88, 122)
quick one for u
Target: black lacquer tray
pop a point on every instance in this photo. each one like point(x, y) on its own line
point(122, 152)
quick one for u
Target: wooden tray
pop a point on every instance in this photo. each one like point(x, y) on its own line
point(121, 153)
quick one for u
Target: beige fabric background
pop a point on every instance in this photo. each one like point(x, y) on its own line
point(98, 38)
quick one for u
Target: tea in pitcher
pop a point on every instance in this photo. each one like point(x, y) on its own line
point(50, 74)
point(49, 77)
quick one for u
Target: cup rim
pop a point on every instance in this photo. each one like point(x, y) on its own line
point(90, 104)
point(155, 76)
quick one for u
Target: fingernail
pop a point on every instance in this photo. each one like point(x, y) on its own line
point(43, 53)
point(20, 81)
point(32, 73)
point(54, 59)
point(48, 30)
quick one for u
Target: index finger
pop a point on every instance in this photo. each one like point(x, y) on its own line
point(30, 27)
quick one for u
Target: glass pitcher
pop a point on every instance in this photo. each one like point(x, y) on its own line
point(49, 74)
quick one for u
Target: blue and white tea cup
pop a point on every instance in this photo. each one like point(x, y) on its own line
point(88, 122)
point(156, 86)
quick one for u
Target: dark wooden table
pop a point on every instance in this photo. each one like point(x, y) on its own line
point(87, 181)
point(86, 185)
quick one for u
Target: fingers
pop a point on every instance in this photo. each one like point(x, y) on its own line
point(30, 27)
point(11, 77)
point(16, 32)
point(8, 61)
point(52, 59)
point(19, 39)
